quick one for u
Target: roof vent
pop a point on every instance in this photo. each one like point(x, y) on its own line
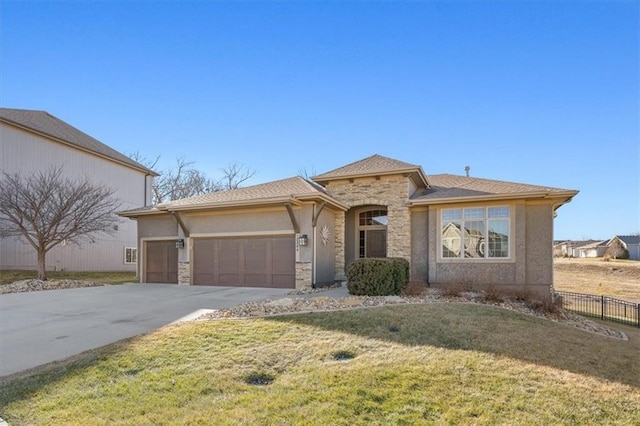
point(466, 170)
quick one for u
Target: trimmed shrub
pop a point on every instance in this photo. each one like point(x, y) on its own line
point(377, 276)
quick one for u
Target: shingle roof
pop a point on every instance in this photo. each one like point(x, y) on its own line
point(291, 187)
point(446, 186)
point(48, 125)
point(629, 239)
point(280, 191)
point(375, 164)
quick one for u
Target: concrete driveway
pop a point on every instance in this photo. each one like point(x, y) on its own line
point(44, 326)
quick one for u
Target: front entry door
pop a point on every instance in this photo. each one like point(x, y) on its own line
point(376, 243)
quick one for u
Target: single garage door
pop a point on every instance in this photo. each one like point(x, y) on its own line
point(161, 262)
point(250, 262)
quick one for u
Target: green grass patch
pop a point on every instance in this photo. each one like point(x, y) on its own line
point(117, 277)
point(446, 363)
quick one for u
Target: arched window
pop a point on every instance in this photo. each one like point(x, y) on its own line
point(372, 232)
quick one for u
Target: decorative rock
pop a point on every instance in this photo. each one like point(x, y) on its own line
point(287, 301)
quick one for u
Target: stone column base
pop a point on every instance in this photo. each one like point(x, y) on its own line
point(184, 273)
point(303, 276)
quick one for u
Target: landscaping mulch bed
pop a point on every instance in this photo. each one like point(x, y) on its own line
point(39, 285)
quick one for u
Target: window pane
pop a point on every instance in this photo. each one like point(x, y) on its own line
point(498, 211)
point(361, 253)
point(373, 217)
point(476, 213)
point(451, 214)
point(474, 239)
point(499, 238)
point(451, 239)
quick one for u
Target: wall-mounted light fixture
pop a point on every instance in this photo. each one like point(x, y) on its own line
point(303, 240)
point(179, 243)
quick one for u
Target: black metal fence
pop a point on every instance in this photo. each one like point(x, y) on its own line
point(603, 307)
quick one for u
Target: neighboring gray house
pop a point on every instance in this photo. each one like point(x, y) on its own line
point(36, 140)
point(631, 243)
point(298, 234)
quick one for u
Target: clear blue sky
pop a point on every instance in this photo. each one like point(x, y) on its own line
point(538, 92)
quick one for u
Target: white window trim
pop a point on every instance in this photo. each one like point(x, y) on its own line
point(485, 260)
point(135, 249)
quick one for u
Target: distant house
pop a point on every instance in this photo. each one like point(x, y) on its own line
point(36, 140)
point(591, 249)
point(297, 233)
point(629, 242)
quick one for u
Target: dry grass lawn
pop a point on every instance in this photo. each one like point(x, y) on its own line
point(8, 277)
point(617, 278)
point(440, 363)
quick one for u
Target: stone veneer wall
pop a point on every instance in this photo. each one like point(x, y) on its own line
point(184, 273)
point(303, 275)
point(391, 191)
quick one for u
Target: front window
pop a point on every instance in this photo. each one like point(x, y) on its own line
point(475, 233)
point(130, 255)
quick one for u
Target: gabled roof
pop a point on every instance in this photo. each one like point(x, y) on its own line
point(448, 188)
point(45, 124)
point(292, 190)
point(374, 165)
point(628, 239)
point(589, 244)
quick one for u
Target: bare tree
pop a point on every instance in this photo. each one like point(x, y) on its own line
point(46, 209)
point(183, 181)
point(617, 250)
point(234, 175)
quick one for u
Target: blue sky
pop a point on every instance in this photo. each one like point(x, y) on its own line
point(538, 92)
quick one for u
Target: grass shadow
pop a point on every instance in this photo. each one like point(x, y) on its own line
point(491, 330)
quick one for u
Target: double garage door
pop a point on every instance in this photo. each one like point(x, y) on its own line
point(250, 262)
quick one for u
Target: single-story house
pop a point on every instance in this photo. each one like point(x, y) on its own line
point(629, 242)
point(591, 249)
point(301, 233)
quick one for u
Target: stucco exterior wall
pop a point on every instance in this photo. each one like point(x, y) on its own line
point(240, 222)
point(420, 245)
point(539, 239)
point(325, 253)
point(530, 267)
point(157, 226)
point(25, 152)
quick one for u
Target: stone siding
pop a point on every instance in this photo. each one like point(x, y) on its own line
point(303, 275)
point(390, 191)
point(184, 273)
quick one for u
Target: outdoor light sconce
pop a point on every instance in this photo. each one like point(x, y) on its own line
point(179, 244)
point(303, 240)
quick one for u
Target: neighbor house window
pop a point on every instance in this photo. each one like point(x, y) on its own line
point(475, 232)
point(130, 255)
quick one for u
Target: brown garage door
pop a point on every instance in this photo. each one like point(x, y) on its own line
point(251, 262)
point(161, 262)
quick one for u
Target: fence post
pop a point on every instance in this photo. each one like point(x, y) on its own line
point(638, 316)
point(602, 307)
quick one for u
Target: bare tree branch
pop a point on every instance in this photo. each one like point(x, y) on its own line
point(46, 209)
point(184, 181)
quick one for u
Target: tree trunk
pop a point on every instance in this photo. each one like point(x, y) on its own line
point(42, 271)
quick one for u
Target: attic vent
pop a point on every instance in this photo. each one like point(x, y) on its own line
point(466, 170)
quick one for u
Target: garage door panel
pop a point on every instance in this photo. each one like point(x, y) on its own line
point(252, 262)
point(161, 262)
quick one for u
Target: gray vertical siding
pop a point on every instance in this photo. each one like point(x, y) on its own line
point(25, 152)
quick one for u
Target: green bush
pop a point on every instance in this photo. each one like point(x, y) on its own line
point(377, 276)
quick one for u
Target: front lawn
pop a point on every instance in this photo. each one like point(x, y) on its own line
point(440, 363)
